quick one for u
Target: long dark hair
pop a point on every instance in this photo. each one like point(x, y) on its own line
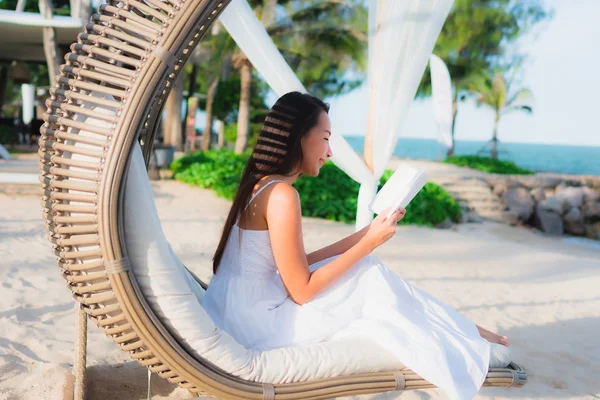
point(277, 151)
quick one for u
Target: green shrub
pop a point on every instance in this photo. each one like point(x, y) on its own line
point(217, 170)
point(487, 164)
point(431, 206)
point(333, 195)
point(8, 135)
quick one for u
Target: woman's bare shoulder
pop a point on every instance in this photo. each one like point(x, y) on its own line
point(283, 204)
point(283, 194)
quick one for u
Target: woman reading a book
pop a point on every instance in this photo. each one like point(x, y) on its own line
point(268, 293)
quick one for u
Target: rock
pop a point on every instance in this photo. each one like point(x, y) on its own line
point(549, 192)
point(505, 180)
point(593, 231)
point(570, 197)
point(519, 202)
point(472, 218)
point(548, 216)
point(552, 204)
point(535, 181)
point(561, 186)
point(591, 210)
point(567, 183)
point(538, 194)
point(500, 189)
point(446, 224)
point(573, 222)
point(590, 195)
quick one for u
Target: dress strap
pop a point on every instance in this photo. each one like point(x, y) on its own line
point(261, 189)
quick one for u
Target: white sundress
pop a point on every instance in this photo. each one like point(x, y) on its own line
point(246, 298)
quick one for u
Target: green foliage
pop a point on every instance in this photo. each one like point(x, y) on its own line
point(8, 135)
point(490, 165)
point(495, 91)
point(217, 170)
point(333, 195)
point(478, 35)
point(431, 206)
point(324, 43)
point(60, 7)
point(227, 98)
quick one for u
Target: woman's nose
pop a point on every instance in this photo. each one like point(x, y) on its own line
point(329, 153)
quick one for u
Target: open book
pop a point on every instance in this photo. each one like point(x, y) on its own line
point(399, 190)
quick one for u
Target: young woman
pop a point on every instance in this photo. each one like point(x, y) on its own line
point(268, 293)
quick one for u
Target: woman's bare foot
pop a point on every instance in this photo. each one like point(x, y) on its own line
point(492, 337)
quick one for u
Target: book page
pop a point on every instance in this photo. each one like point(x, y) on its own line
point(400, 189)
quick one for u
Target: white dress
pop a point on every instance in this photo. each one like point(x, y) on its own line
point(246, 298)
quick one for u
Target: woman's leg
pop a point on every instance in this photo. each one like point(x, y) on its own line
point(492, 337)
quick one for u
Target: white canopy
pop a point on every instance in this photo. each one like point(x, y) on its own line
point(21, 34)
point(441, 98)
point(402, 35)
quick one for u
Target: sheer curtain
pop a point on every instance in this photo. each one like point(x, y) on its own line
point(401, 38)
point(402, 35)
point(250, 35)
point(441, 99)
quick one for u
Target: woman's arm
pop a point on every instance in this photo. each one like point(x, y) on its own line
point(284, 218)
point(336, 248)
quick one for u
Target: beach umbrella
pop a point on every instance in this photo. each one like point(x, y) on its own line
point(402, 35)
point(441, 97)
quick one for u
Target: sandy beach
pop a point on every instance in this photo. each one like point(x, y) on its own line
point(542, 292)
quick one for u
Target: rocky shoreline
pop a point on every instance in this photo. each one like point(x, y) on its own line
point(554, 204)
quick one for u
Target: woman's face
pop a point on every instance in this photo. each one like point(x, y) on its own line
point(315, 146)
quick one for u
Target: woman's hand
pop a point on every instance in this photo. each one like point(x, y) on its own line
point(382, 228)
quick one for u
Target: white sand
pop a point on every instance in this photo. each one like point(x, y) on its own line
point(544, 293)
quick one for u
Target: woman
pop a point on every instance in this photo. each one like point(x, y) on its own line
point(268, 293)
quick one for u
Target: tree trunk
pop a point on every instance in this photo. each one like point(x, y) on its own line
point(4, 67)
point(243, 127)
point(454, 113)
point(267, 18)
point(221, 141)
point(191, 90)
point(51, 50)
point(210, 97)
point(172, 126)
point(494, 146)
point(268, 13)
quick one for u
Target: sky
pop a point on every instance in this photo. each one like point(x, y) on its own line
point(561, 71)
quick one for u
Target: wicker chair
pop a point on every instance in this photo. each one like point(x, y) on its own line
point(127, 60)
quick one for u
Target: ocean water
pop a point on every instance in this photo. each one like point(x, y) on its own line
point(581, 160)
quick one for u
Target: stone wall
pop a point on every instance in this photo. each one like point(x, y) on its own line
point(552, 203)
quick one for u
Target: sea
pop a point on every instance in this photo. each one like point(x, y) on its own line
point(564, 159)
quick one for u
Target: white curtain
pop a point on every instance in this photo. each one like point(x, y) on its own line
point(402, 35)
point(27, 95)
point(441, 98)
point(250, 35)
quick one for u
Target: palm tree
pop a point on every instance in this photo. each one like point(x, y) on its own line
point(323, 41)
point(495, 92)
